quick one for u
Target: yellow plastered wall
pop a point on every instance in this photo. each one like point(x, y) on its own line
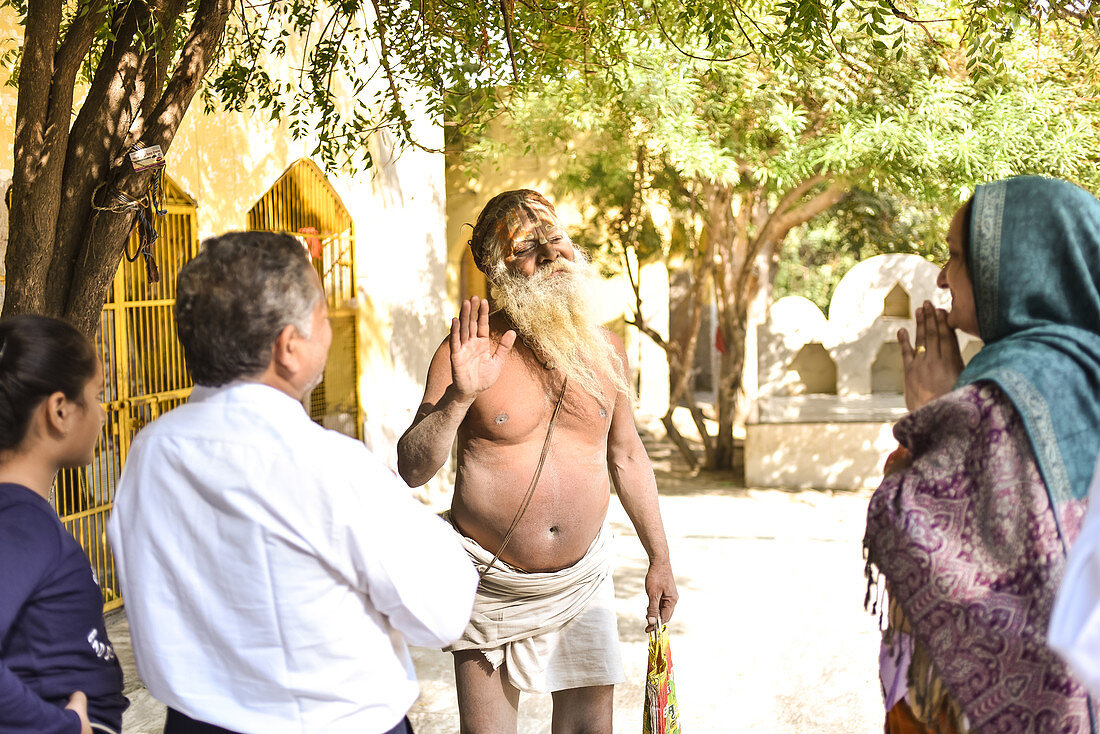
point(399, 246)
point(10, 30)
point(303, 203)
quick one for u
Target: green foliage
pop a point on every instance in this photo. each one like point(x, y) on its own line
point(817, 255)
point(9, 59)
point(622, 211)
point(459, 61)
point(857, 92)
point(342, 70)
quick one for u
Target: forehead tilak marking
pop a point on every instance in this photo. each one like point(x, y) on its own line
point(538, 226)
point(525, 216)
point(542, 219)
point(512, 221)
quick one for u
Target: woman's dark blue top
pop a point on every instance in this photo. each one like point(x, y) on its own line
point(53, 640)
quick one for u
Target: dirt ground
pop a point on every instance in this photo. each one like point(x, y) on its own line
point(770, 635)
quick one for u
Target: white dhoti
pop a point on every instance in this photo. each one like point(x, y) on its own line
point(553, 630)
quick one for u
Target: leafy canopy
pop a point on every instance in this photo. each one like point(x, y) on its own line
point(466, 60)
point(883, 102)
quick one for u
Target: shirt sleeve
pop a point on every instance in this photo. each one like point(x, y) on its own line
point(409, 562)
point(22, 710)
point(26, 555)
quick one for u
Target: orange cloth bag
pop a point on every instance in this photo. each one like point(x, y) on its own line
point(662, 715)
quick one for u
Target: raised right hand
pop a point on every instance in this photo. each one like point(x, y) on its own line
point(78, 702)
point(475, 365)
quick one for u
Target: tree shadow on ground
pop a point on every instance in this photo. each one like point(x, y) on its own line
point(675, 478)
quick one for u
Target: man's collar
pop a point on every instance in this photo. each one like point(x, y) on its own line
point(246, 391)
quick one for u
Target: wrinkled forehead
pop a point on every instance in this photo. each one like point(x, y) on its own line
point(526, 220)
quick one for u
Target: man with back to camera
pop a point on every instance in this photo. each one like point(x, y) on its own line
point(539, 422)
point(273, 570)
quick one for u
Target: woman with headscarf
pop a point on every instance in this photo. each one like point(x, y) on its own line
point(971, 527)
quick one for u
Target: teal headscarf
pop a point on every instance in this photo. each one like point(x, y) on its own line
point(1034, 261)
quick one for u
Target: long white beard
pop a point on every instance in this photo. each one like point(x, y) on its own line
point(550, 311)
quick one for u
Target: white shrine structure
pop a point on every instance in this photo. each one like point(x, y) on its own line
point(831, 389)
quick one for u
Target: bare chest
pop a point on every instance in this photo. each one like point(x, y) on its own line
point(518, 408)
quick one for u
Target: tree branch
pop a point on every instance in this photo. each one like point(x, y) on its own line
point(206, 33)
point(508, 15)
point(799, 191)
point(922, 24)
point(383, 59)
point(741, 28)
point(661, 26)
point(105, 237)
point(78, 40)
point(832, 41)
point(674, 434)
point(786, 216)
point(639, 323)
point(165, 17)
point(102, 107)
point(795, 216)
point(94, 145)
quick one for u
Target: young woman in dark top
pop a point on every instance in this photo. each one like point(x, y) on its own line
point(58, 671)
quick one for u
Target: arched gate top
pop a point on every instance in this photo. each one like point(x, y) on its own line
point(301, 200)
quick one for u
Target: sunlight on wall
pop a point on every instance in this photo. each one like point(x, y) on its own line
point(822, 456)
point(10, 30)
point(398, 213)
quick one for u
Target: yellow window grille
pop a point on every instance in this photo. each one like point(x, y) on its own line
point(145, 375)
point(303, 203)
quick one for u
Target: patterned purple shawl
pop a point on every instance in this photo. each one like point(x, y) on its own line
point(967, 542)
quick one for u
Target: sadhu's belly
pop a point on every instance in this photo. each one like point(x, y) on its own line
point(565, 513)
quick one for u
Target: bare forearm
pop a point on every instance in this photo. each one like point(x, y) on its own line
point(637, 489)
point(426, 445)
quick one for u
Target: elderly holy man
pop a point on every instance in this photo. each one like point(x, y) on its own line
point(537, 395)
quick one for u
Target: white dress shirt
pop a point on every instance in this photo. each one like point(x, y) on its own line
point(1074, 630)
point(273, 570)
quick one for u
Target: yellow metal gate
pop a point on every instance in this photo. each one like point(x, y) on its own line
point(303, 203)
point(145, 375)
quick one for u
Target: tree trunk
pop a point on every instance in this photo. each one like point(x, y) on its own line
point(686, 338)
point(683, 343)
point(722, 232)
point(67, 228)
point(740, 242)
point(679, 441)
point(41, 131)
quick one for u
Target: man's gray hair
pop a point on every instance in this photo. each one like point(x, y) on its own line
point(235, 298)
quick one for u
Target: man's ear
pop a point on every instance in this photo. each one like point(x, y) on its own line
point(57, 411)
point(285, 352)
